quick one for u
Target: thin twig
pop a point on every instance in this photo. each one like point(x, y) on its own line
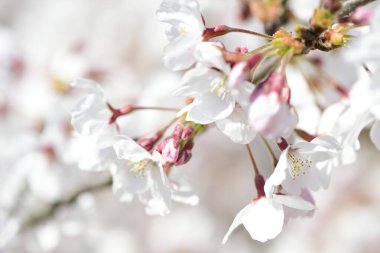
point(350, 6)
point(267, 146)
point(158, 108)
point(255, 169)
point(239, 30)
point(38, 218)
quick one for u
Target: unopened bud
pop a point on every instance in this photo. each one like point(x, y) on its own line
point(361, 16)
point(170, 150)
point(49, 151)
point(185, 154)
point(148, 143)
point(184, 157)
point(177, 133)
point(238, 74)
point(337, 39)
point(241, 49)
point(282, 144)
point(240, 71)
point(321, 19)
point(187, 133)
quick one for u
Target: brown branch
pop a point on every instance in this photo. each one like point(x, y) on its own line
point(40, 217)
point(350, 6)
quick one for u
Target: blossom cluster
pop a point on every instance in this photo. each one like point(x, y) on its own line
point(245, 93)
point(283, 94)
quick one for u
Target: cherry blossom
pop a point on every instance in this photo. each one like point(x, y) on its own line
point(263, 218)
point(185, 31)
point(304, 165)
point(213, 100)
point(141, 173)
point(270, 113)
point(91, 113)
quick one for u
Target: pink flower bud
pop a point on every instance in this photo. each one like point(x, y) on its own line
point(148, 143)
point(184, 157)
point(185, 154)
point(170, 150)
point(361, 16)
point(177, 133)
point(275, 82)
point(241, 49)
point(49, 151)
point(282, 144)
point(240, 71)
point(272, 116)
point(16, 66)
point(238, 74)
point(187, 134)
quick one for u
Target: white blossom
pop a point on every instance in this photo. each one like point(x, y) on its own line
point(272, 117)
point(141, 173)
point(263, 218)
point(304, 165)
point(213, 100)
point(184, 32)
point(91, 114)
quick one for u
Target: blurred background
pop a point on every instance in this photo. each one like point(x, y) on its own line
point(44, 44)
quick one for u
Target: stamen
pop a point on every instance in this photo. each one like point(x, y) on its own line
point(298, 163)
point(140, 167)
point(218, 86)
point(183, 29)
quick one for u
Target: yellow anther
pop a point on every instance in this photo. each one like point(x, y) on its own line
point(140, 166)
point(297, 163)
point(218, 86)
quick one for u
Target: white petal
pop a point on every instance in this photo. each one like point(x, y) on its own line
point(293, 202)
point(90, 115)
point(329, 118)
point(184, 32)
point(272, 117)
point(197, 81)
point(242, 94)
point(211, 55)
point(321, 148)
point(264, 221)
point(237, 127)
point(172, 9)
point(279, 174)
point(209, 108)
point(179, 53)
point(95, 152)
point(238, 220)
point(128, 149)
point(88, 87)
point(191, 200)
point(375, 134)
point(157, 195)
point(126, 183)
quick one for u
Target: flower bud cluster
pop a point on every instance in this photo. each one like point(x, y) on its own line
point(176, 149)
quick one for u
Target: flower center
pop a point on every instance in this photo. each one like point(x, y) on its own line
point(140, 166)
point(183, 29)
point(298, 163)
point(218, 86)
